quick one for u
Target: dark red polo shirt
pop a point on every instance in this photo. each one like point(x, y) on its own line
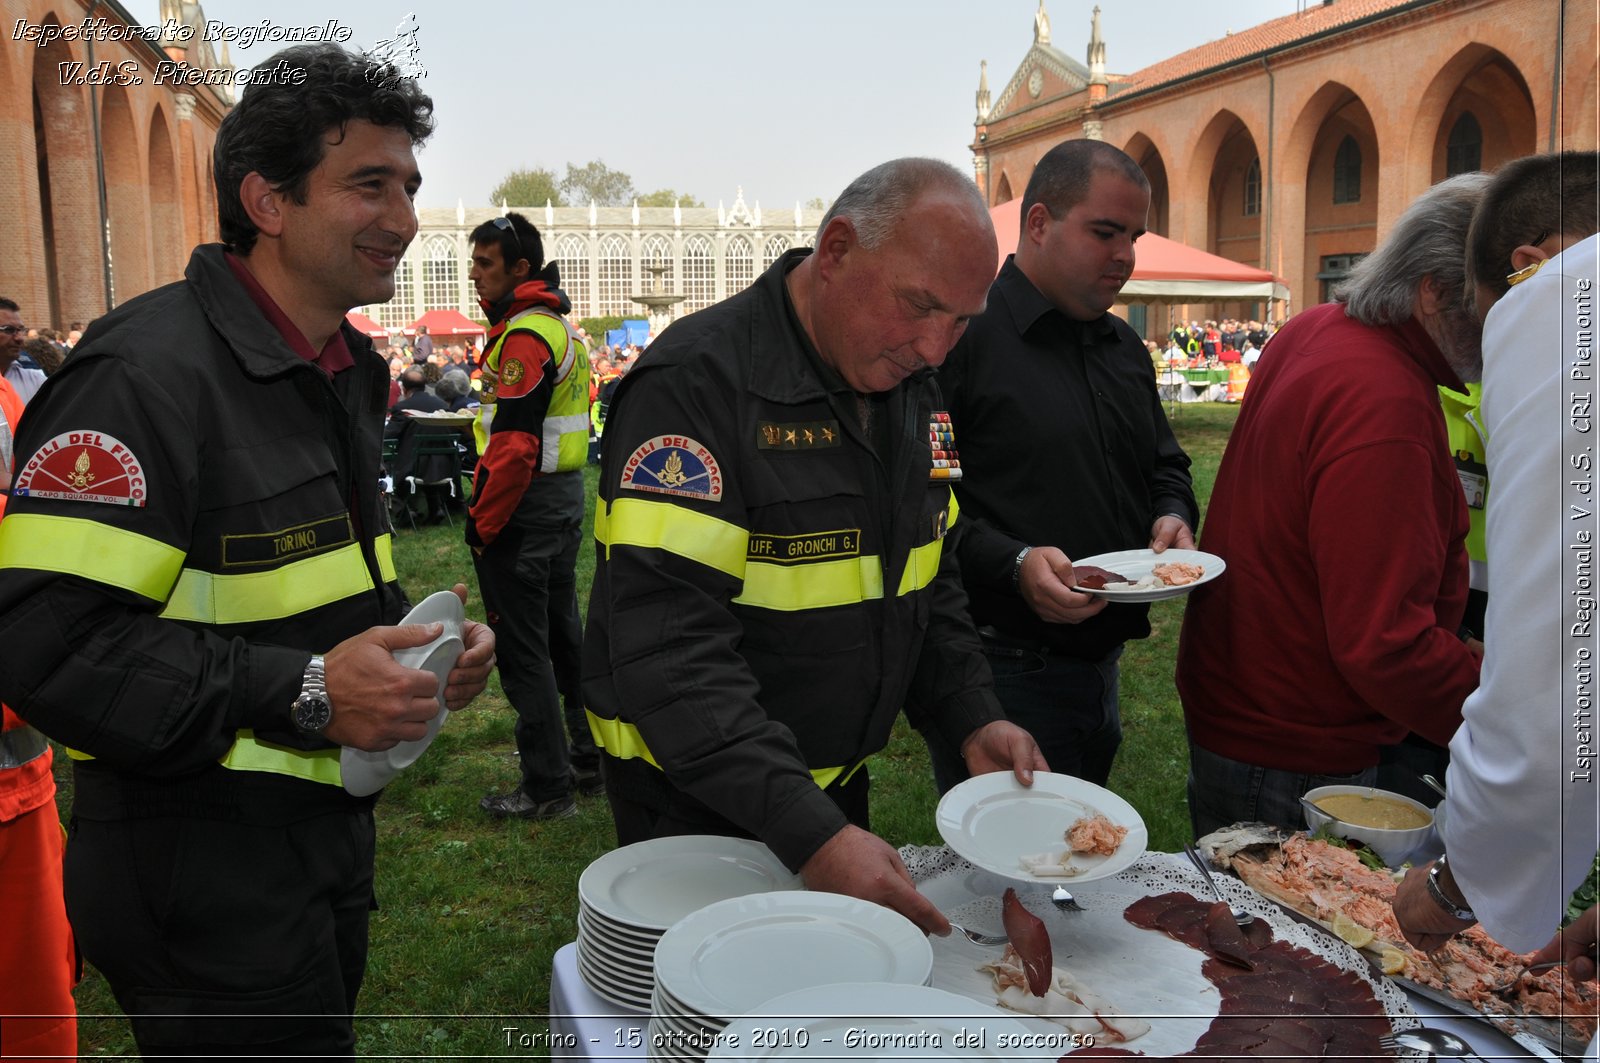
point(335, 355)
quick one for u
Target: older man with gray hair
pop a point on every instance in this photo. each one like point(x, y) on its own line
point(771, 587)
point(1335, 629)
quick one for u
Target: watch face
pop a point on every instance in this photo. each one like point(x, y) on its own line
point(312, 713)
point(1035, 83)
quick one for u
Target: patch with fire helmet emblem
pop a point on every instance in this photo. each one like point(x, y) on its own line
point(674, 465)
point(83, 466)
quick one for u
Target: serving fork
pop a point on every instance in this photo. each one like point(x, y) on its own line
point(1514, 979)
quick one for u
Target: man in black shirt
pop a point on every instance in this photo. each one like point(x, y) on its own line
point(1065, 453)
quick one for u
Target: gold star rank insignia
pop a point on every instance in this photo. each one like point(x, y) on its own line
point(802, 435)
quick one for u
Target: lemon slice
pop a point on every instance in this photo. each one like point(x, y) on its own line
point(1392, 961)
point(1351, 931)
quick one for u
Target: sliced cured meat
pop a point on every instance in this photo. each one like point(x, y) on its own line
point(1143, 911)
point(1185, 923)
point(1224, 938)
point(1246, 1002)
point(1031, 940)
point(1258, 933)
point(1095, 578)
point(1288, 1004)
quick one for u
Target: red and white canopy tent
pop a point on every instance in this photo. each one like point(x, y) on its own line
point(1165, 271)
point(446, 323)
point(366, 326)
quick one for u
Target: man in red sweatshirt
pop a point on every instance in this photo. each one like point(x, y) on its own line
point(1338, 510)
point(526, 519)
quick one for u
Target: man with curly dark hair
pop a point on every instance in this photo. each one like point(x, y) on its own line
point(197, 585)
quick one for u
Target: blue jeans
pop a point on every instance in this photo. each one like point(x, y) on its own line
point(1069, 705)
point(1223, 792)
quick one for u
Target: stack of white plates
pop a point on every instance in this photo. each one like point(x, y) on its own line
point(876, 1021)
point(630, 896)
point(730, 957)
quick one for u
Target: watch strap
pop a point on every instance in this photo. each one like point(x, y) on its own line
point(1454, 910)
point(1016, 565)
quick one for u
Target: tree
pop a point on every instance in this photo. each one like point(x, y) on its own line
point(666, 197)
point(816, 203)
point(528, 188)
point(597, 183)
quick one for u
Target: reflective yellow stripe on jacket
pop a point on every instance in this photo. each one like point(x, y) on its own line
point(723, 546)
point(623, 740)
point(249, 753)
point(294, 588)
point(75, 547)
point(154, 570)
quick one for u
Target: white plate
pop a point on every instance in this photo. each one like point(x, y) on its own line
point(652, 884)
point(730, 956)
point(441, 607)
point(669, 1012)
point(1136, 564)
point(993, 821)
point(605, 940)
point(608, 988)
point(366, 773)
point(669, 1044)
point(607, 950)
point(626, 931)
point(636, 982)
point(885, 1022)
point(600, 956)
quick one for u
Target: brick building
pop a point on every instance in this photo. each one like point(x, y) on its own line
point(1294, 145)
point(83, 122)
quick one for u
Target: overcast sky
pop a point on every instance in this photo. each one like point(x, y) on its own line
point(787, 99)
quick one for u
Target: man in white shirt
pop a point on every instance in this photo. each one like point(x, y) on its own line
point(1520, 825)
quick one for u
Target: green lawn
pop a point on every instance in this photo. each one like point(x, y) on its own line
point(471, 910)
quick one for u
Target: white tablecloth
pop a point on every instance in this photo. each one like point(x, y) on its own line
point(596, 1028)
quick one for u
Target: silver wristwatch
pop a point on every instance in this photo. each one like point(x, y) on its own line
point(1434, 891)
point(1016, 565)
point(312, 710)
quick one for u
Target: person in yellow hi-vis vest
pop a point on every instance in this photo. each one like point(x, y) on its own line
point(526, 519)
point(197, 590)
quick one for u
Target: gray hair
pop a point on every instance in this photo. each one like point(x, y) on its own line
point(875, 202)
point(453, 385)
point(1429, 240)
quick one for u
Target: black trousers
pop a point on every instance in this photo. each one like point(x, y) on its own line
point(221, 939)
point(528, 580)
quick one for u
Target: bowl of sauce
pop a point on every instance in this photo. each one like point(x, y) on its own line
point(1390, 824)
